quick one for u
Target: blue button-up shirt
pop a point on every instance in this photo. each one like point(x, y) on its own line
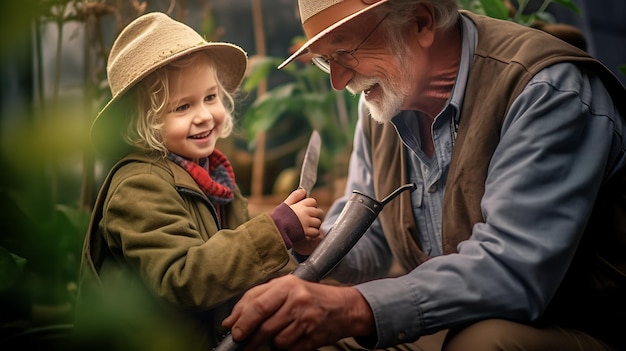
point(540, 189)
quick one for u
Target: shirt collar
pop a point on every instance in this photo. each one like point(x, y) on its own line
point(469, 37)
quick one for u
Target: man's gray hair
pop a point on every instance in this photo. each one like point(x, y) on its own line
point(401, 11)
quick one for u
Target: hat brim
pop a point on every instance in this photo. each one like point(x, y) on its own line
point(304, 48)
point(108, 126)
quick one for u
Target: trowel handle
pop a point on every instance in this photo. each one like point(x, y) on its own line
point(353, 221)
point(357, 215)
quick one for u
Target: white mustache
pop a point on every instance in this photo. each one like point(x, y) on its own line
point(360, 84)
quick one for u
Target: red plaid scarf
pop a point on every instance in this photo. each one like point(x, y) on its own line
point(214, 175)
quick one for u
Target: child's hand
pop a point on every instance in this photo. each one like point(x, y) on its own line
point(310, 217)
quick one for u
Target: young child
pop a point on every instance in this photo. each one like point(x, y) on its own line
point(169, 217)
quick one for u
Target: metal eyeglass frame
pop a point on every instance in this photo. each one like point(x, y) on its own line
point(343, 57)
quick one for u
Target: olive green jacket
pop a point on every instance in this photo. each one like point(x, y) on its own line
point(152, 228)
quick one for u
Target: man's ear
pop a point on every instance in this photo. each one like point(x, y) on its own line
point(426, 25)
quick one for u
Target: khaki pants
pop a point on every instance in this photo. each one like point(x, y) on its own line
point(495, 335)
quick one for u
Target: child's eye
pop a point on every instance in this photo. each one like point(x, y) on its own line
point(210, 97)
point(182, 108)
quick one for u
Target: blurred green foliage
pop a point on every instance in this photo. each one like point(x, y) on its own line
point(522, 14)
point(43, 224)
point(302, 102)
point(48, 182)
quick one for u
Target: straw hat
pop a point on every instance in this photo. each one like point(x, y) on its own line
point(320, 17)
point(149, 42)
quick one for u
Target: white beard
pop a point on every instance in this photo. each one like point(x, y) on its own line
point(387, 108)
point(393, 96)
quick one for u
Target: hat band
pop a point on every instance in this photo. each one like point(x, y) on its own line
point(331, 15)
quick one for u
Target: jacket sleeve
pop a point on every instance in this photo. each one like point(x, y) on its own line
point(173, 243)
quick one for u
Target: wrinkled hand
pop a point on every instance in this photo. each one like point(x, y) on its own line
point(294, 314)
point(310, 217)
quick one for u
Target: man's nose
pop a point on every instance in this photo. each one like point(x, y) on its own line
point(340, 76)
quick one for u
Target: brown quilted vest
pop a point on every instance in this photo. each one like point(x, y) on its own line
point(507, 56)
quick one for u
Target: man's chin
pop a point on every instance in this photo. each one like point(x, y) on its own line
point(376, 113)
point(383, 104)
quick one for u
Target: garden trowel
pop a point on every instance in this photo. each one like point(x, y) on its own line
point(357, 215)
point(308, 174)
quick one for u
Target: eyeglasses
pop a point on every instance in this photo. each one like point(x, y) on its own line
point(343, 57)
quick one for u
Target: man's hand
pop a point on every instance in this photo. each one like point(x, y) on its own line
point(294, 314)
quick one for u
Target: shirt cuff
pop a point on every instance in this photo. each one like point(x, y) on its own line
point(288, 224)
point(397, 317)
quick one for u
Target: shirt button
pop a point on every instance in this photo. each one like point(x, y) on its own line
point(432, 188)
point(401, 336)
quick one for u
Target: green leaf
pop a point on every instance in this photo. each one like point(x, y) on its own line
point(266, 110)
point(78, 219)
point(474, 6)
point(318, 110)
point(495, 9)
point(260, 69)
point(11, 267)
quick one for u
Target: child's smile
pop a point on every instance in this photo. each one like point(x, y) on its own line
point(196, 117)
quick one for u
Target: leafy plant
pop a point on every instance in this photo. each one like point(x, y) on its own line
point(303, 102)
point(504, 9)
point(48, 172)
point(491, 8)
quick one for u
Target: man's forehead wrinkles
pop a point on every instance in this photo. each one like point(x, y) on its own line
point(338, 37)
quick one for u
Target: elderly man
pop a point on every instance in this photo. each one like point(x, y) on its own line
point(514, 238)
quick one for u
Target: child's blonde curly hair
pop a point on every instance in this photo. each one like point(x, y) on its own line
point(151, 98)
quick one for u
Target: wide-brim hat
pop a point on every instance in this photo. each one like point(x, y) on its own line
point(320, 17)
point(149, 42)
